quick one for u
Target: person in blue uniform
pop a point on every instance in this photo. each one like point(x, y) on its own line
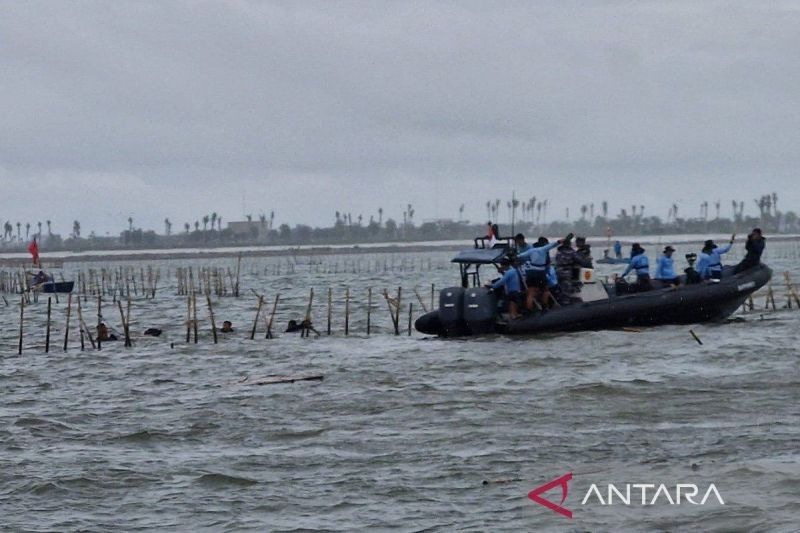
point(640, 265)
point(665, 268)
point(513, 285)
point(522, 246)
point(535, 263)
point(710, 263)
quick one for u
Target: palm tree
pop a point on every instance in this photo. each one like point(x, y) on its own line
point(76, 229)
point(187, 227)
point(27, 230)
point(380, 216)
point(167, 226)
point(338, 218)
point(591, 211)
point(717, 205)
point(49, 232)
point(197, 225)
point(39, 225)
point(584, 209)
point(213, 220)
point(130, 223)
point(360, 217)
point(775, 203)
point(488, 210)
point(271, 218)
point(219, 223)
point(262, 218)
point(249, 218)
point(460, 212)
point(205, 221)
point(604, 208)
point(19, 231)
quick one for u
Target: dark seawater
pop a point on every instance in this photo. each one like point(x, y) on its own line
point(402, 431)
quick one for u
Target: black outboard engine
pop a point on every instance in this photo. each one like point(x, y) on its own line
point(451, 312)
point(480, 310)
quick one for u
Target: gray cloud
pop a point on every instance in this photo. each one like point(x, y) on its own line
point(178, 109)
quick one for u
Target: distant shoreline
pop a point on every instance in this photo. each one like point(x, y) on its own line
point(15, 259)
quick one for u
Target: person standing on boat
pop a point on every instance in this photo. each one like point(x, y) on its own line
point(618, 249)
point(710, 263)
point(536, 260)
point(493, 235)
point(568, 265)
point(755, 247)
point(639, 264)
point(665, 268)
point(584, 252)
point(513, 285)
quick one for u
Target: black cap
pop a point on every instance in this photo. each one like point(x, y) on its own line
point(519, 237)
point(669, 249)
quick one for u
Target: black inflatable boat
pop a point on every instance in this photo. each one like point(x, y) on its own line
point(475, 310)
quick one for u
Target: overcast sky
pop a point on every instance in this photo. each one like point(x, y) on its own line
point(177, 109)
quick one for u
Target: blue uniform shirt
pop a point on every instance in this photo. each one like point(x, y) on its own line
point(639, 264)
point(665, 268)
point(552, 277)
point(711, 261)
point(536, 257)
point(511, 280)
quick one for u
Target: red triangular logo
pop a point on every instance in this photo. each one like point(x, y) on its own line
point(562, 481)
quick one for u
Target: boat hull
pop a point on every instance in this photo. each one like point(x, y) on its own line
point(685, 304)
point(58, 286)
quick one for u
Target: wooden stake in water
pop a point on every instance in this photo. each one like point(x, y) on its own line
point(99, 320)
point(47, 334)
point(124, 323)
point(188, 319)
point(66, 329)
point(330, 308)
point(347, 311)
point(369, 309)
point(21, 319)
point(410, 313)
point(306, 331)
point(194, 316)
point(214, 325)
point(272, 316)
point(258, 312)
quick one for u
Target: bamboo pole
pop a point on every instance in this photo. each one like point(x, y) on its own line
point(330, 308)
point(272, 316)
point(347, 311)
point(307, 320)
point(410, 312)
point(188, 318)
point(194, 316)
point(21, 319)
point(66, 329)
point(83, 328)
point(369, 309)
point(99, 320)
point(47, 333)
point(214, 325)
point(421, 303)
point(258, 312)
point(124, 323)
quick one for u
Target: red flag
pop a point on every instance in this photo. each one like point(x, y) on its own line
point(33, 248)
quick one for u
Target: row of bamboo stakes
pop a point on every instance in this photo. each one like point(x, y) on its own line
point(394, 305)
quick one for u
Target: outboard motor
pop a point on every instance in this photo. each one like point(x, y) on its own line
point(480, 310)
point(451, 312)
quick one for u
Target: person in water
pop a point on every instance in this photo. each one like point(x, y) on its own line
point(710, 263)
point(618, 249)
point(103, 335)
point(755, 247)
point(513, 285)
point(665, 268)
point(536, 262)
point(227, 327)
point(639, 264)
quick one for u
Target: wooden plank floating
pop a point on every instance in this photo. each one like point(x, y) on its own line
point(273, 380)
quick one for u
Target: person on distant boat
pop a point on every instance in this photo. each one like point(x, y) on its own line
point(710, 263)
point(618, 249)
point(493, 235)
point(640, 264)
point(583, 251)
point(536, 260)
point(39, 277)
point(755, 247)
point(227, 327)
point(665, 268)
point(513, 284)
